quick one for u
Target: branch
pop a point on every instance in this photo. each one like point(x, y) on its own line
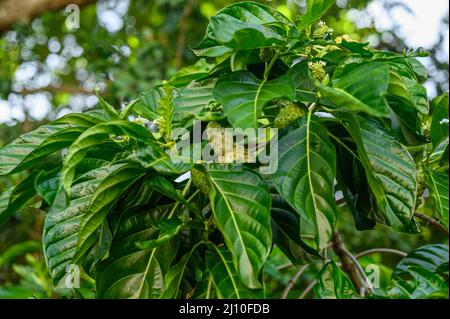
point(71, 89)
point(350, 265)
point(432, 222)
point(181, 41)
point(292, 281)
point(13, 11)
point(308, 289)
point(381, 250)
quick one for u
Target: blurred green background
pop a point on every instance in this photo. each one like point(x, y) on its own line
point(123, 48)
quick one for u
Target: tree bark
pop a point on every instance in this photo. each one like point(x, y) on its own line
point(13, 11)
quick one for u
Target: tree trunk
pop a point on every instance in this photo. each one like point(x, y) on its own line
point(12, 11)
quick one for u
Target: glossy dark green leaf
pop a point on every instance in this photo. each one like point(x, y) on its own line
point(195, 72)
point(305, 175)
point(104, 198)
point(226, 281)
point(12, 200)
point(60, 236)
point(130, 272)
point(48, 183)
point(390, 171)
point(95, 136)
point(190, 100)
point(351, 89)
point(243, 96)
point(243, 26)
point(286, 232)
point(333, 283)
point(440, 121)
point(168, 228)
point(30, 148)
point(429, 257)
point(408, 99)
point(353, 183)
point(422, 284)
point(240, 201)
point(438, 186)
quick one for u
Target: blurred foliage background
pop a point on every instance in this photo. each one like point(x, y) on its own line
point(123, 48)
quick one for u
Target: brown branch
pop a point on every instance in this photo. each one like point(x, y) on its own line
point(13, 11)
point(348, 265)
point(432, 222)
point(71, 89)
point(381, 251)
point(181, 41)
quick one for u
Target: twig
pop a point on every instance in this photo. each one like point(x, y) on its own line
point(308, 289)
point(381, 250)
point(292, 281)
point(181, 41)
point(432, 222)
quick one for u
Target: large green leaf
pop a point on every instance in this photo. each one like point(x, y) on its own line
point(429, 257)
point(30, 148)
point(225, 279)
point(421, 274)
point(422, 284)
point(390, 171)
point(102, 201)
point(191, 100)
point(95, 136)
point(175, 275)
point(353, 91)
point(13, 154)
point(408, 99)
point(12, 200)
point(286, 231)
point(315, 9)
point(243, 26)
point(352, 181)
point(305, 175)
point(244, 96)
point(130, 272)
point(440, 121)
point(60, 236)
point(241, 202)
point(438, 186)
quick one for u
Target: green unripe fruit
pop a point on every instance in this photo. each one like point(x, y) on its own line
point(200, 181)
point(288, 115)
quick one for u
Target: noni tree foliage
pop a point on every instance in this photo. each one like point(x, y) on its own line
point(349, 126)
